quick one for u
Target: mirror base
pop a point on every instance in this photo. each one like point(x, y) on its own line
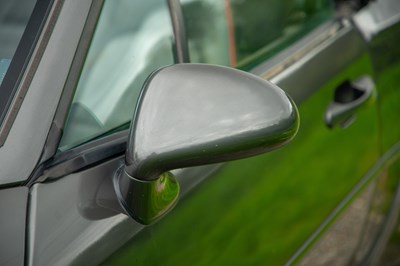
point(146, 201)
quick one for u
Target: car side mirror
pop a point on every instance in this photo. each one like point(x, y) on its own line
point(196, 114)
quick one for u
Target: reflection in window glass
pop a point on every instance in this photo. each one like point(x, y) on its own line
point(243, 33)
point(14, 16)
point(207, 31)
point(132, 39)
point(4, 64)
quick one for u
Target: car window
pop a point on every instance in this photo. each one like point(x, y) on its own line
point(14, 17)
point(132, 39)
point(4, 63)
point(243, 33)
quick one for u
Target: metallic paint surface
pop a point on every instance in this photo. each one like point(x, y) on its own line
point(56, 130)
point(294, 191)
point(59, 217)
point(306, 74)
point(146, 201)
point(196, 114)
point(13, 205)
point(67, 225)
point(42, 97)
point(338, 113)
point(28, 56)
point(380, 26)
point(71, 224)
point(188, 115)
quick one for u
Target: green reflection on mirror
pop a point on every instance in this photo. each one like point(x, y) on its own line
point(147, 201)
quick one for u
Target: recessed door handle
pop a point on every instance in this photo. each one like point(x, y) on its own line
point(348, 98)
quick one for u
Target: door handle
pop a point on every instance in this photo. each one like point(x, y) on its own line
point(348, 98)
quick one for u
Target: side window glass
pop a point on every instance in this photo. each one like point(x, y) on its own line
point(243, 33)
point(206, 24)
point(132, 39)
point(4, 63)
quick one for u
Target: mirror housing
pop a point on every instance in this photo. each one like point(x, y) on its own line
point(196, 114)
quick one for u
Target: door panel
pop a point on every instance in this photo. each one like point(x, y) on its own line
point(260, 210)
point(68, 223)
point(13, 205)
point(383, 36)
point(264, 210)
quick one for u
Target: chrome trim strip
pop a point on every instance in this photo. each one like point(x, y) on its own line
point(378, 16)
point(295, 52)
point(302, 69)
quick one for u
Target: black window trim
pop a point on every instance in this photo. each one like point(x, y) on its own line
point(57, 126)
point(24, 64)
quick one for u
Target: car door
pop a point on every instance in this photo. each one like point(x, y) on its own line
point(288, 206)
point(22, 29)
